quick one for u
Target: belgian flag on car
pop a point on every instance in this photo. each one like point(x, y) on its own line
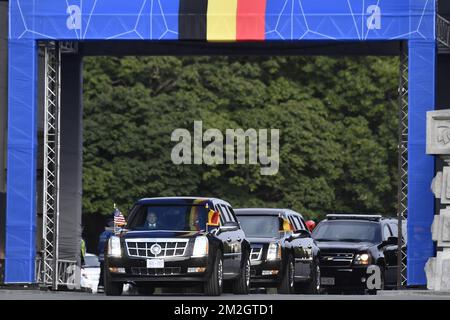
point(213, 218)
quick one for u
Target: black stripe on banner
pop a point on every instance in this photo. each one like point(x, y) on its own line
point(192, 19)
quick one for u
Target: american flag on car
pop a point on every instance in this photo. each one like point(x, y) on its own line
point(119, 219)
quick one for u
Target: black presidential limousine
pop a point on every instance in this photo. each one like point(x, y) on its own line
point(283, 255)
point(179, 241)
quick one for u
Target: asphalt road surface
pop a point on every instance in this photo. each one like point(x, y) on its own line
point(6, 294)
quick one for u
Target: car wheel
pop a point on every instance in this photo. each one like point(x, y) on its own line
point(213, 286)
point(288, 279)
point(112, 288)
point(145, 289)
point(242, 284)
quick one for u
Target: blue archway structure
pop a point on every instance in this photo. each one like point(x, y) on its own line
point(161, 21)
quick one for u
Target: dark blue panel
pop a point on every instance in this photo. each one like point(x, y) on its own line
point(21, 176)
point(349, 19)
point(422, 63)
point(95, 19)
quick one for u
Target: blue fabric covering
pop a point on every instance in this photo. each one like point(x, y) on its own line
point(422, 66)
point(20, 247)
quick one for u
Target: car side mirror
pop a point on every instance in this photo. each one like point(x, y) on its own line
point(391, 241)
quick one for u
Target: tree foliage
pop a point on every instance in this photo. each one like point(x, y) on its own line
point(337, 119)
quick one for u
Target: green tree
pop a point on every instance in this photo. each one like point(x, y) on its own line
point(337, 119)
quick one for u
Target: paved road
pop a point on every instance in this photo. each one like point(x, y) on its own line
point(49, 295)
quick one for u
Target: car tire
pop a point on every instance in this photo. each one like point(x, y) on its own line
point(214, 284)
point(313, 286)
point(242, 284)
point(145, 289)
point(288, 280)
point(112, 288)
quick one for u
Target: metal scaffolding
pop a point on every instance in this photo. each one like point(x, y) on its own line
point(51, 271)
point(443, 31)
point(52, 60)
point(402, 205)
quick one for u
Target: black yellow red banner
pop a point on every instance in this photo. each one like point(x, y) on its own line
point(222, 20)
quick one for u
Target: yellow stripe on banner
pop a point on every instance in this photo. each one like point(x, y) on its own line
point(221, 20)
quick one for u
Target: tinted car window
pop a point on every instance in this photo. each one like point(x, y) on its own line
point(353, 231)
point(260, 226)
point(386, 232)
point(230, 215)
point(293, 223)
point(301, 223)
point(394, 229)
point(223, 214)
point(233, 214)
point(170, 217)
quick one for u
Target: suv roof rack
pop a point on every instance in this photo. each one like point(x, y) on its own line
point(370, 217)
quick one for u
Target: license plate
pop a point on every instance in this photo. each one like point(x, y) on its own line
point(327, 281)
point(155, 263)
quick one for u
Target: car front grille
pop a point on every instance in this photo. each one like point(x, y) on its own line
point(156, 272)
point(142, 248)
point(255, 254)
point(336, 259)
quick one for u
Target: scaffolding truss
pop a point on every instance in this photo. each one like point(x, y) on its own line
point(52, 272)
point(52, 61)
point(402, 205)
point(443, 31)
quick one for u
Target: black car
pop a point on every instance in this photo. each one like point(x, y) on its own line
point(350, 244)
point(179, 241)
point(283, 253)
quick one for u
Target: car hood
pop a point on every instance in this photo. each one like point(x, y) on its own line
point(345, 245)
point(161, 234)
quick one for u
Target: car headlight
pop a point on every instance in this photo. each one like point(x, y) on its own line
point(274, 251)
point(201, 246)
point(114, 249)
point(363, 259)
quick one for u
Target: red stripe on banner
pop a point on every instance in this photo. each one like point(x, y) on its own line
point(251, 16)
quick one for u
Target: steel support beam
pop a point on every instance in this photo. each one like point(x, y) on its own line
point(402, 201)
point(51, 165)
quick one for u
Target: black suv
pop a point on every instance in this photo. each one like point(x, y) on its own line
point(179, 241)
point(283, 253)
point(350, 244)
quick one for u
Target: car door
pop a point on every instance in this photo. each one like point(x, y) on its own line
point(306, 245)
point(237, 237)
point(390, 255)
point(226, 237)
point(296, 245)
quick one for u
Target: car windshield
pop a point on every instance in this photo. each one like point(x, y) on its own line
point(351, 231)
point(170, 217)
point(91, 261)
point(260, 226)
